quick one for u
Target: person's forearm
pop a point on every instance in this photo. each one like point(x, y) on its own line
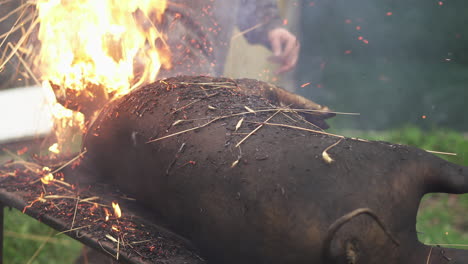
point(256, 18)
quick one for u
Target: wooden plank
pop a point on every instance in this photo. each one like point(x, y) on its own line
point(23, 114)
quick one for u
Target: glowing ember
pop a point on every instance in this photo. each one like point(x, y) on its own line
point(107, 46)
point(108, 214)
point(117, 211)
point(22, 151)
point(93, 208)
point(48, 177)
point(54, 148)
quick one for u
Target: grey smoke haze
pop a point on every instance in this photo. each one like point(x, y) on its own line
point(414, 64)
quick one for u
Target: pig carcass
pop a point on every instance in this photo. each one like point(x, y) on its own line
point(249, 181)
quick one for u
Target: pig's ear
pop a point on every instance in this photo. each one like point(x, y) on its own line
point(313, 112)
point(356, 237)
point(344, 251)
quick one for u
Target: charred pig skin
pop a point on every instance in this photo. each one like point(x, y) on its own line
point(174, 146)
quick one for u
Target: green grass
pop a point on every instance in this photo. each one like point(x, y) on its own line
point(442, 218)
point(439, 139)
point(24, 236)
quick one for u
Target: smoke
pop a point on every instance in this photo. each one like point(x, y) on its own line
point(395, 62)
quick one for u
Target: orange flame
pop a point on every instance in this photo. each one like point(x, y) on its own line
point(108, 214)
point(47, 177)
point(96, 42)
point(54, 148)
point(64, 119)
point(89, 44)
point(93, 208)
point(117, 211)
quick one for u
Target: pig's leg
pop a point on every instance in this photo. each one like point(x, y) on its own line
point(448, 178)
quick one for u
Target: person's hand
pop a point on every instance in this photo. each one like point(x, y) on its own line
point(285, 47)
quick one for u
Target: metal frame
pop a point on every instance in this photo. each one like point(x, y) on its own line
point(2, 208)
point(14, 199)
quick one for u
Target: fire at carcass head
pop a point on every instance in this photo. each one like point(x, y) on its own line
point(104, 51)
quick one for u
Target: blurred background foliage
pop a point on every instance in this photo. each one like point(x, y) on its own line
point(29, 241)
